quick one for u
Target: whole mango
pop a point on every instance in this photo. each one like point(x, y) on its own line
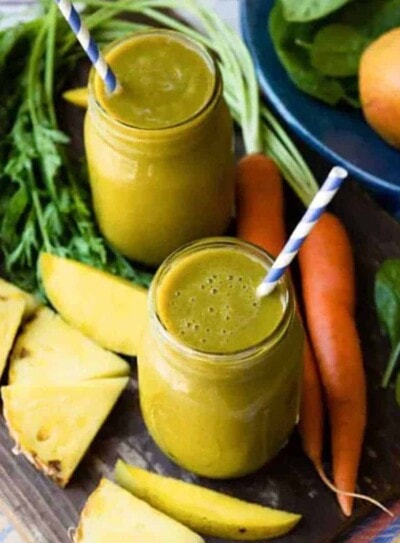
point(379, 80)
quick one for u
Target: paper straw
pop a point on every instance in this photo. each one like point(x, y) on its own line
point(88, 44)
point(325, 194)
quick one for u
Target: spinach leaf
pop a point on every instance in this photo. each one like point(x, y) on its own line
point(292, 42)
point(309, 10)
point(336, 50)
point(387, 300)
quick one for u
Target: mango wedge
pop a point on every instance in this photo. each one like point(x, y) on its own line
point(112, 515)
point(206, 511)
point(8, 290)
point(53, 425)
point(106, 308)
point(77, 97)
point(50, 351)
point(11, 313)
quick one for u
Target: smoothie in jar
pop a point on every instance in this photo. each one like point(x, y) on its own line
point(219, 369)
point(159, 151)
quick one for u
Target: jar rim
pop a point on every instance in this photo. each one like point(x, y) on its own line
point(211, 101)
point(233, 358)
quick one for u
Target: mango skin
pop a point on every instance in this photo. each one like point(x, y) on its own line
point(379, 82)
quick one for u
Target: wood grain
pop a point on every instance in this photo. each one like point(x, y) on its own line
point(44, 513)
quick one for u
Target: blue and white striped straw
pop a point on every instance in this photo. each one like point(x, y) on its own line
point(325, 194)
point(89, 45)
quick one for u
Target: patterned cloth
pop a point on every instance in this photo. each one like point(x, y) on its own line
point(379, 529)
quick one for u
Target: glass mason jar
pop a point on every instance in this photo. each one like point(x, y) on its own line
point(157, 189)
point(220, 415)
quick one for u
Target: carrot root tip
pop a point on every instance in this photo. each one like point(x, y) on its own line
point(344, 505)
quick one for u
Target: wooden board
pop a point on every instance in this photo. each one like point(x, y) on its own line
point(44, 513)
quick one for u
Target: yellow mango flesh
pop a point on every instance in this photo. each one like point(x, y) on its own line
point(77, 97)
point(11, 313)
point(53, 425)
point(50, 351)
point(104, 307)
point(113, 515)
point(206, 511)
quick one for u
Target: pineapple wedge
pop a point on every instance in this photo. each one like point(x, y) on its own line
point(112, 515)
point(8, 290)
point(206, 511)
point(53, 425)
point(106, 308)
point(50, 351)
point(78, 97)
point(11, 313)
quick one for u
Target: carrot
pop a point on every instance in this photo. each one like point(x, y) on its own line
point(327, 271)
point(311, 423)
point(259, 203)
point(260, 220)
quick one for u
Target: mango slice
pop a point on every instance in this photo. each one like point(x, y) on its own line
point(50, 351)
point(206, 511)
point(106, 308)
point(53, 425)
point(112, 515)
point(8, 290)
point(78, 97)
point(11, 313)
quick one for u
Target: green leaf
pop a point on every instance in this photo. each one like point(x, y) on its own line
point(301, 11)
point(287, 39)
point(371, 18)
point(387, 301)
point(15, 210)
point(337, 49)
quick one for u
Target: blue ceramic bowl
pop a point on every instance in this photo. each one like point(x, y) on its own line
point(340, 134)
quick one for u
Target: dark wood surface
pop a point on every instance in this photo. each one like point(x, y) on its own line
point(44, 513)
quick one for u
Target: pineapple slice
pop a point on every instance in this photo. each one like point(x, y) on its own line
point(8, 290)
point(11, 312)
point(50, 351)
point(106, 308)
point(112, 515)
point(53, 425)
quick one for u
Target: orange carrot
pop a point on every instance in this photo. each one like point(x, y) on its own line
point(259, 203)
point(311, 423)
point(327, 270)
point(260, 220)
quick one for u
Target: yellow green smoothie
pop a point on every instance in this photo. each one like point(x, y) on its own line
point(164, 81)
point(160, 150)
point(209, 302)
point(219, 369)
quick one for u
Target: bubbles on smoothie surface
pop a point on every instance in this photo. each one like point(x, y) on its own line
point(208, 300)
